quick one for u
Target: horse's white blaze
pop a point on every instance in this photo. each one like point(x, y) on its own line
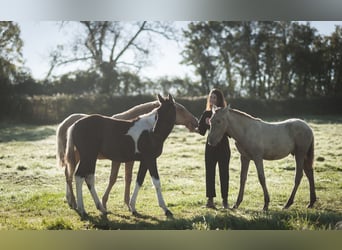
point(156, 184)
point(145, 122)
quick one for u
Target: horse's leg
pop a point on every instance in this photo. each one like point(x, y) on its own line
point(140, 180)
point(128, 181)
point(261, 176)
point(86, 167)
point(79, 194)
point(308, 170)
point(298, 177)
point(69, 175)
point(243, 178)
point(90, 180)
point(112, 179)
point(156, 183)
point(310, 175)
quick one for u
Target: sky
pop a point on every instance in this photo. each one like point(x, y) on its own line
point(41, 37)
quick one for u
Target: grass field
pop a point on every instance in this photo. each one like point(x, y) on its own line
point(32, 188)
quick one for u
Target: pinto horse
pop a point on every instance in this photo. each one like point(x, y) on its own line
point(183, 117)
point(257, 140)
point(140, 139)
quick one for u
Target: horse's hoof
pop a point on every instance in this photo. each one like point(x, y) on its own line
point(83, 214)
point(101, 208)
point(310, 205)
point(168, 214)
point(135, 213)
point(72, 204)
point(287, 206)
point(104, 205)
point(235, 206)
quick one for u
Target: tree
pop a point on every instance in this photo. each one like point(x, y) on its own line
point(10, 55)
point(198, 53)
point(301, 46)
point(263, 59)
point(113, 46)
point(335, 42)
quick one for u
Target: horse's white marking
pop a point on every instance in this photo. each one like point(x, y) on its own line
point(90, 180)
point(79, 194)
point(156, 184)
point(145, 122)
point(134, 197)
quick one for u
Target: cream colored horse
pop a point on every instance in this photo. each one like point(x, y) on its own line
point(257, 140)
point(183, 117)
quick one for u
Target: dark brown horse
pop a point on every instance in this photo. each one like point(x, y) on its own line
point(183, 117)
point(118, 140)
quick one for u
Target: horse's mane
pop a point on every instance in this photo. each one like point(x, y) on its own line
point(137, 110)
point(239, 112)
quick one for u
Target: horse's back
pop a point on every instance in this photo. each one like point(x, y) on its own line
point(293, 126)
point(285, 137)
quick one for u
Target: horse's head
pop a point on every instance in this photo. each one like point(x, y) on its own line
point(166, 115)
point(218, 125)
point(184, 117)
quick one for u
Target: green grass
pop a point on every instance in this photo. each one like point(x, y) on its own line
point(32, 188)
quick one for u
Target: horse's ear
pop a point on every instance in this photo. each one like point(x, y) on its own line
point(171, 98)
point(160, 98)
point(214, 108)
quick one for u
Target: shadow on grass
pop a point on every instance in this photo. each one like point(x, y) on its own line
point(206, 219)
point(229, 220)
point(10, 132)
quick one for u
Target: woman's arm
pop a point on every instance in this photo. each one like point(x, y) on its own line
point(203, 124)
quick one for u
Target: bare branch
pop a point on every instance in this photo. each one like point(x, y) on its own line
point(130, 42)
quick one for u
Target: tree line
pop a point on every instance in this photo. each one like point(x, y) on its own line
point(265, 59)
point(256, 59)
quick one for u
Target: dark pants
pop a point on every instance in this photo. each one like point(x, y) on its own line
point(219, 154)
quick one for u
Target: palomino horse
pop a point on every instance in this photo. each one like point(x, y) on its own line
point(183, 117)
point(257, 140)
point(140, 139)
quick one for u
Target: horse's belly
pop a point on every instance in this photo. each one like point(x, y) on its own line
point(121, 149)
point(276, 153)
point(275, 156)
point(277, 147)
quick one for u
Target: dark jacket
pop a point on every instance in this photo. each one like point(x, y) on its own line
point(203, 127)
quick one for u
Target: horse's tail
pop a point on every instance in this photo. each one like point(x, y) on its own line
point(70, 148)
point(308, 161)
point(60, 144)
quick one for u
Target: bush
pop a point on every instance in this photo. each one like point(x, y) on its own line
point(53, 109)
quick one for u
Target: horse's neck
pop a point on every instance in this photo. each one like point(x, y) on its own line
point(164, 132)
point(163, 127)
point(149, 119)
point(238, 124)
point(137, 111)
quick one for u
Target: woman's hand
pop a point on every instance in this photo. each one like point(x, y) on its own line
point(207, 120)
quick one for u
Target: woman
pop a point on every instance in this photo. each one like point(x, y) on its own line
point(219, 154)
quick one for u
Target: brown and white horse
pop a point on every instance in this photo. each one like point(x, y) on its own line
point(122, 141)
point(257, 140)
point(183, 117)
